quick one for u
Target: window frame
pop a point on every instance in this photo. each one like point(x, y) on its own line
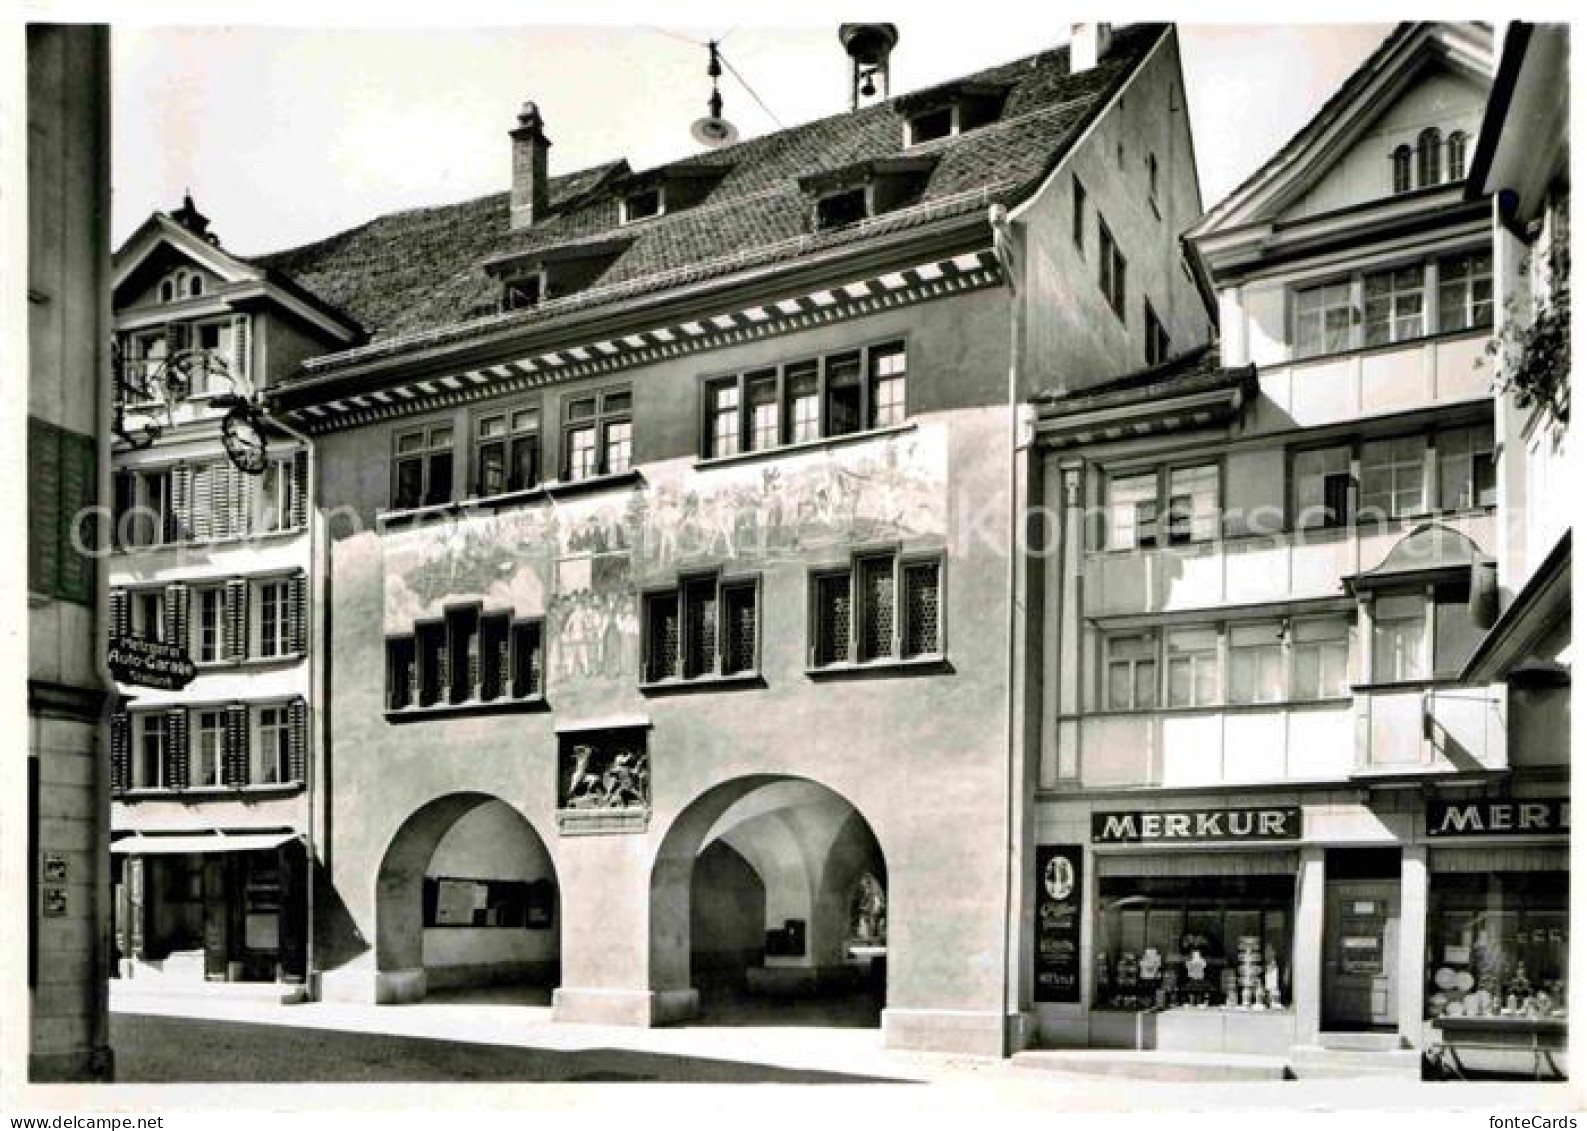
point(1158, 344)
point(507, 412)
point(722, 584)
point(1112, 269)
point(196, 751)
point(1434, 284)
point(282, 585)
point(625, 205)
point(1078, 217)
point(1162, 474)
point(139, 768)
point(196, 595)
point(599, 424)
point(426, 456)
point(901, 561)
point(260, 759)
point(867, 207)
point(406, 652)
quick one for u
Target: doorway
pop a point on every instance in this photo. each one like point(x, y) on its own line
point(1361, 927)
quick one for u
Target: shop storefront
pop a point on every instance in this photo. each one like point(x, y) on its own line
point(210, 907)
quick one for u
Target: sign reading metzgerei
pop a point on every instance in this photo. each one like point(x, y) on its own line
point(1498, 817)
point(1182, 826)
point(149, 663)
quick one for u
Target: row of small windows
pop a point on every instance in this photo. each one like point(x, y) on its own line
point(219, 746)
point(1446, 295)
point(1340, 485)
point(181, 283)
point(1436, 160)
point(881, 607)
point(793, 403)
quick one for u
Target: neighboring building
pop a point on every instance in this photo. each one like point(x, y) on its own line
point(68, 119)
point(1260, 755)
point(212, 812)
point(669, 577)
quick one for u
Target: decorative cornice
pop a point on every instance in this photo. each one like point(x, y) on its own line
point(920, 283)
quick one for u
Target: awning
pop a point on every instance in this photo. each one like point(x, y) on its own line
point(155, 844)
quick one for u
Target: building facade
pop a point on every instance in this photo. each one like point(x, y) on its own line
point(213, 559)
point(1271, 816)
point(68, 248)
point(670, 538)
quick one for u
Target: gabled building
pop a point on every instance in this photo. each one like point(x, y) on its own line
point(672, 537)
point(213, 557)
point(1291, 825)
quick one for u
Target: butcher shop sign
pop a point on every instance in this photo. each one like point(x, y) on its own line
point(1181, 826)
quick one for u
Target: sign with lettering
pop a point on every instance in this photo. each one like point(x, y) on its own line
point(1176, 826)
point(149, 663)
point(1498, 817)
point(1059, 868)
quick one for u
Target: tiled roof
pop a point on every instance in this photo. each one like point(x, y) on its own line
point(421, 272)
point(1195, 369)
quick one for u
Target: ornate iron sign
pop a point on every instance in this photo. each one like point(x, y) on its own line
point(149, 663)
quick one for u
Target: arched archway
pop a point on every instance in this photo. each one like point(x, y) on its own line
point(466, 896)
point(751, 901)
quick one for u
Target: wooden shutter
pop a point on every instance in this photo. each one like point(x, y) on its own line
point(245, 500)
point(298, 614)
point(176, 599)
point(120, 613)
point(297, 512)
point(120, 751)
point(234, 755)
point(202, 502)
point(240, 348)
point(181, 502)
point(298, 740)
point(176, 749)
point(237, 619)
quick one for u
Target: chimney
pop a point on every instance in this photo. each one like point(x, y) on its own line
point(530, 182)
point(1088, 45)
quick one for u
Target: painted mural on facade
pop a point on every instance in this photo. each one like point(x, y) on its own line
point(582, 562)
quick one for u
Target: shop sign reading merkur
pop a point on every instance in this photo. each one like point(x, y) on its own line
point(1174, 826)
point(150, 663)
point(1498, 817)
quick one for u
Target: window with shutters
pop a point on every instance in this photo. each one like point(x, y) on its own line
point(209, 744)
point(271, 748)
point(471, 659)
point(278, 506)
point(147, 517)
point(884, 608)
point(506, 450)
point(271, 617)
point(151, 750)
point(207, 624)
point(210, 364)
point(802, 401)
point(597, 434)
point(422, 467)
point(703, 628)
point(148, 613)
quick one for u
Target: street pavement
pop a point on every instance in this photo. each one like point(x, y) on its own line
point(504, 1038)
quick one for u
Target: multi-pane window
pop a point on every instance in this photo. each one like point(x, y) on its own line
point(1465, 291)
point(802, 401)
point(271, 616)
point(1174, 507)
point(706, 626)
point(1190, 656)
point(143, 508)
point(1321, 657)
point(1156, 336)
point(883, 607)
point(1130, 670)
point(1078, 228)
point(1394, 305)
point(597, 434)
point(422, 474)
point(1132, 511)
point(209, 739)
point(506, 451)
point(148, 613)
point(1400, 163)
point(1399, 638)
point(1457, 156)
point(1256, 662)
point(1429, 150)
point(271, 750)
point(1393, 477)
point(1324, 486)
point(1322, 319)
point(207, 624)
point(1465, 468)
point(153, 743)
point(1110, 267)
point(468, 657)
point(1192, 504)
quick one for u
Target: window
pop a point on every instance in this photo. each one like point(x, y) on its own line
point(271, 752)
point(883, 607)
point(148, 614)
point(1400, 163)
point(1323, 488)
point(704, 627)
point(1399, 638)
point(213, 349)
point(802, 401)
point(931, 125)
point(506, 451)
point(1156, 336)
point(1256, 662)
point(1187, 496)
point(272, 602)
point(153, 745)
point(598, 434)
point(1429, 146)
point(143, 510)
point(1465, 291)
point(278, 488)
point(1110, 268)
point(1465, 468)
point(1393, 477)
point(462, 655)
point(402, 686)
point(1394, 305)
point(469, 657)
point(195, 286)
point(1079, 224)
point(841, 209)
point(423, 467)
point(1457, 156)
point(167, 290)
point(1322, 320)
point(1151, 176)
point(208, 746)
point(1321, 648)
point(522, 294)
point(208, 632)
point(1192, 504)
point(642, 205)
point(1191, 657)
point(1131, 672)
point(1132, 511)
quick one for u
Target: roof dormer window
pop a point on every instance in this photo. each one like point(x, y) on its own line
point(195, 286)
point(642, 205)
point(931, 125)
point(852, 193)
point(522, 293)
point(945, 111)
point(840, 209)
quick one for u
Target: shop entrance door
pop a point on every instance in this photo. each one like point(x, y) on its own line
point(1361, 941)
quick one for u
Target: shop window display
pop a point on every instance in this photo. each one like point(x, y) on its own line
point(1194, 942)
point(1498, 945)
